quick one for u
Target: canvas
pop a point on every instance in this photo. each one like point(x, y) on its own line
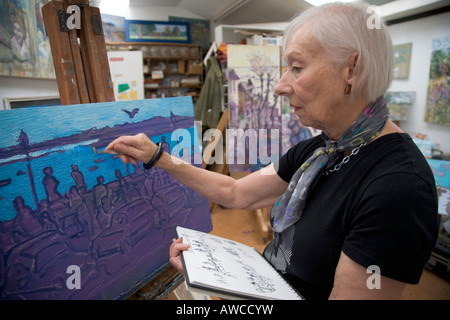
point(402, 60)
point(399, 104)
point(157, 31)
point(437, 109)
point(253, 72)
point(113, 28)
point(441, 172)
point(62, 206)
point(24, 44)
point(127, 74)
point(199, 29)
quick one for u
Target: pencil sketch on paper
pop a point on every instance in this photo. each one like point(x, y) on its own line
point(213, 254)
point(210, 262)
point(62, 204)
point(261, 283)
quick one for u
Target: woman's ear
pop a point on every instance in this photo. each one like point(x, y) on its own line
point(350, 67)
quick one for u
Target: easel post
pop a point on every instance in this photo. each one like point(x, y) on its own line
point(82, 74)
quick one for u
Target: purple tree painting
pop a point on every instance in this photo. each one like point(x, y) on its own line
point(253, 72)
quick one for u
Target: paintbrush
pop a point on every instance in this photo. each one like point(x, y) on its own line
point(105, 151)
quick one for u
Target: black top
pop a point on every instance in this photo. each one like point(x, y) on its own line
point(379, 209)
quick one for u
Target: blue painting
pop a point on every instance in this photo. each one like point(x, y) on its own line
point(67, 211)
point(441, 172)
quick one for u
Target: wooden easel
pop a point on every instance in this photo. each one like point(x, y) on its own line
point(79, 55)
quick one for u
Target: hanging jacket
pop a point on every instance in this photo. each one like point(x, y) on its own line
point(209, 105)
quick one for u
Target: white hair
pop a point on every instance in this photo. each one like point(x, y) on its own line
point(343, 29)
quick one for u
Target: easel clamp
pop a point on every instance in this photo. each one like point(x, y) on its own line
point(63, 18)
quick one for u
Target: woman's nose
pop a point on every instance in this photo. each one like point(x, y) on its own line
point(283, 87)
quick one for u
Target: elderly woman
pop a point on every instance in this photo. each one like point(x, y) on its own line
point(358, 198)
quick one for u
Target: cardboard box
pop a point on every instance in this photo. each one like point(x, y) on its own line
point(195, 67)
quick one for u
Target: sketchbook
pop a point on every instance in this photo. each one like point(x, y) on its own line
point(229, 269)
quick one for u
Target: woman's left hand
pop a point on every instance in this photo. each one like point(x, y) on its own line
point(174, 253)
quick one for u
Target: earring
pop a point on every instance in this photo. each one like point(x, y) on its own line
point(348, 88)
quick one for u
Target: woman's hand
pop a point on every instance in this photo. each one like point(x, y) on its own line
point(133, 148)
point(174, 253)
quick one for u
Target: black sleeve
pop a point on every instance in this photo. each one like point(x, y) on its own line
point(288, 163)
point(395, 226)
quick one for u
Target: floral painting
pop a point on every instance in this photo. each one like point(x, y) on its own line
point(437, 109)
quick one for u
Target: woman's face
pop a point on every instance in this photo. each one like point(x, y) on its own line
point(18, 32)
point(314, 88)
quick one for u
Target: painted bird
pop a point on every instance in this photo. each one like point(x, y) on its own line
point(132, 113)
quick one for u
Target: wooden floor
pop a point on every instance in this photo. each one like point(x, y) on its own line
point(242, 226)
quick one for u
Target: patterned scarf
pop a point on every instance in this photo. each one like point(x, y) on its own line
point(289, 207)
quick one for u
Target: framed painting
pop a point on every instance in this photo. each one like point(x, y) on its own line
point(255, 111)
point(24, 44)
point(402, 60)
point(437, 110)
point(157, 31)
point(199, 30)
point(441, 172)
point(399, 104)
point(113, 28)
point(64, 207)
point(26, 102)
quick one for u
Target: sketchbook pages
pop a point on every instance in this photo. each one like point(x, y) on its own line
point(229, 269)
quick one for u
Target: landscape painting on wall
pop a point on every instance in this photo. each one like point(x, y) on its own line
point(157, 31)
point(437, 110)
point(113, 28)
point(199, 29)
point(63, 206)
point(399, 104)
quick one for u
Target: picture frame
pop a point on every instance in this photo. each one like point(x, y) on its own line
point(113, 28)
point(402, 60)
point(157, 31)
point(399, 104)
point(24, 44)
point(199, 30)
point(25, 102)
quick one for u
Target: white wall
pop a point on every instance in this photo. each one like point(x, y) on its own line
point(23, 88)
point(121, 8)
point(421, 32)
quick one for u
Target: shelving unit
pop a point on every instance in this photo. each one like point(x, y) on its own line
point(170, 69)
